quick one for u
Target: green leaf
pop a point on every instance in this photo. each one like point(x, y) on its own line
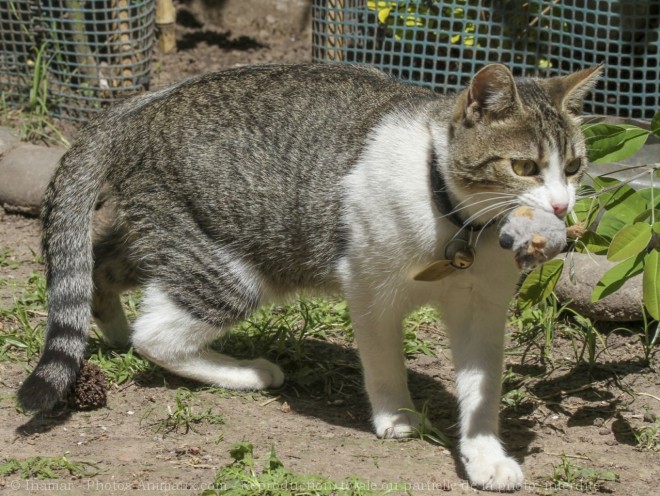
point(656, 227)
point(651, 195)
point(629, 241)
point(655, 124)
point(593, 243)
point(608, 143)
point(623, 205)
point(539, 284)
point(620, 196)
point(645, 216)
point(586, 210)
point(383, 14)
point(610, 224)
point(651, 283)
point(614, 278)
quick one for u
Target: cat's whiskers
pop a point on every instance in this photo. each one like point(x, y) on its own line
point(501, 215)
point(485, 210)
point(489, 208)
point(470, 205)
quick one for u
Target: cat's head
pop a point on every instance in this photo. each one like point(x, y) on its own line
point(518, 141)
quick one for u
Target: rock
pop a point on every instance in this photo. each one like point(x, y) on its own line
point(8, 140)
point(625, 305)
point(24, 174)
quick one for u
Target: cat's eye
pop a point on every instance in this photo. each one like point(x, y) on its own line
point(573, 167)
point(525, 167)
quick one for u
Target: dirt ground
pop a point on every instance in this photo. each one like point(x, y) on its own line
point(589, 416)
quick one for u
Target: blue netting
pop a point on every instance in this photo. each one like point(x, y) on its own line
point(85, 53)
point(441, 44)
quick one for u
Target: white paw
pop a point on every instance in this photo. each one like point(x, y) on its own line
point(487, 465)
point(500, 474)
point(261, 374)
point(400, 424)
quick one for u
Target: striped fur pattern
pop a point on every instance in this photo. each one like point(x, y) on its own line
point(234, 188)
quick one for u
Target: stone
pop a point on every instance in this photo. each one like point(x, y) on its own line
point(625, 305)
point(24, 174)
point(8, 140)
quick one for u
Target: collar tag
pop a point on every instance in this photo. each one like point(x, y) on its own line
point(459, 255)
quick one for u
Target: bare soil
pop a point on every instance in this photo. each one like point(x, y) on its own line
point(587, 415)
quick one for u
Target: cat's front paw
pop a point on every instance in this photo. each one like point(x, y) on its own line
point(499, 474)
point(487, 465)
point(400, 424)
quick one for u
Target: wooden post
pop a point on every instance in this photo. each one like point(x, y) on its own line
point(165, 22)
point(84, 57)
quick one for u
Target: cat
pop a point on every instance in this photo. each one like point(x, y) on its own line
point(234, 188)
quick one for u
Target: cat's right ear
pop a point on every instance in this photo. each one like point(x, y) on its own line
point(492, 94)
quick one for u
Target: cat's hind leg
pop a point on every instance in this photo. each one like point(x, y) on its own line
point(114, 273)
point(174, 330)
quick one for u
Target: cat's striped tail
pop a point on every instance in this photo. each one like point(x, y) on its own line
point(67, 250)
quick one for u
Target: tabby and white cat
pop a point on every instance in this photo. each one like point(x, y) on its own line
point(237, 187)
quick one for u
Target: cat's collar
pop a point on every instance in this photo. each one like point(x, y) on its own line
point(443, 201)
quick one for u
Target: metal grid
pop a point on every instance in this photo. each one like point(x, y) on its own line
point(77, 55)
point(441, 44)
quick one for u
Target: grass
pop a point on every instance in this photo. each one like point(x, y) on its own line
point(43, 467)
point(21, 333)
point(427, 432)
point(244, 477)
point(32, 117)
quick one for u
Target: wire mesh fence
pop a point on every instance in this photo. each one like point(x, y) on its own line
point(74, 56)
point(442, 43)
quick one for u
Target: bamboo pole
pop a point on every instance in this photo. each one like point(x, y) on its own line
point(335, 40)
point(125, 44)
point(165, 22)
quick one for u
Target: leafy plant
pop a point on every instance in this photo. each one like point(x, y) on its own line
point(119, 367)
point(613, 219)
point(425, 430)
point(572, 476)
point(539, 325)
point(648, 437)
point(445, 23)
point(183, 415)
point(242, 478)
point(43, 467)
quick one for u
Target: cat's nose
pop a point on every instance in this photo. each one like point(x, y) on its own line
point(560, 208)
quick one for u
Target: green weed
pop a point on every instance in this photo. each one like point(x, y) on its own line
point(33, 118)
point(538, 326)
point(21, 335)
point(412, 325)
point(183, 416)
point(425, 430)
point(7, 259)
point(572, 476)
point(583, 330)
point(119, 367)
point(242, 477)
point(649, 337)
point(42, 467)
point(648, 437)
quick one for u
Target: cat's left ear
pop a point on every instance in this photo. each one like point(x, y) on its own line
point(568, 92)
